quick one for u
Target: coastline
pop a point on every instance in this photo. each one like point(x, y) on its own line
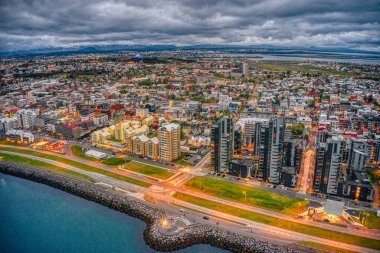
point(196, 234)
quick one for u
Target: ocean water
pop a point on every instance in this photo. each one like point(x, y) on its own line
point(35, 218)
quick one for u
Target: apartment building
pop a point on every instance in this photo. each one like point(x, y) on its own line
point(169, 141)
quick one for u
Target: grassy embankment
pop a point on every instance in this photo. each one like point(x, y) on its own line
point(149, 170)
point(369, 220)
point(289, 225)
point(182, 161)
point(79, 165)
point(115, 161)
point(47, 166)
point(253, 196)
point(284, 66)
point(308, 245)
point(78, 152)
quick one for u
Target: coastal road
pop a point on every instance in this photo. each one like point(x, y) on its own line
point(166, 196)
point(88, 162)
point(177, 185)
point(374, 234)
point(261, 228)
point(98, 177)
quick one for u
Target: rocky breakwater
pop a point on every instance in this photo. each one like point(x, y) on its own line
point(214, 236)
point(191, 235)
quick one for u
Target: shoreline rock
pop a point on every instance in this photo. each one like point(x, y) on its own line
point(192, 235)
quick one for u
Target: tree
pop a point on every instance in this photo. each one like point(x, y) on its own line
point(297, 129)
point(311, 103)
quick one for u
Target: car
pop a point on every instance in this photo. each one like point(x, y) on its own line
point(205, 217)
point(182, 210)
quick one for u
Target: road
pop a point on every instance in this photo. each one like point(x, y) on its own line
point(307, 169)
point(91, 163)
point(98, 177)
point(176, 184)
point(260, 228)
point(163, 190)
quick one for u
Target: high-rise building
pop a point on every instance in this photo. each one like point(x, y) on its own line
point(359, 153)
point(277, 132)
point(238, 139)
point(292, 154)
point(268, 147)
point(249, 133)
point(261, 149)
point(245, 68)
point(328, 164)
point(25, 118)
point(222, 145)
point(169, 137)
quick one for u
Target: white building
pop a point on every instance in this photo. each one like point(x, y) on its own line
point(8, 124)
point(19, 135)
point(25, 118)
point(142, 112)
point(169, 137)
point(100, 120)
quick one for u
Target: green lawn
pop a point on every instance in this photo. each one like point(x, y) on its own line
point(116, 161)
point(371, 220)
point(78, 152)
point(289, 225)
point(47, 166)
point(79, 165)
point(255, 197)
point(284, 66)
point(112, 138)
point(149, 170)
point(323, 247)
point(182, 161)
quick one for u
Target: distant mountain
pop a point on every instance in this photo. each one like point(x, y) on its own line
point(115, 48)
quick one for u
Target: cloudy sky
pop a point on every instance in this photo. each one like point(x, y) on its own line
point(27, 24)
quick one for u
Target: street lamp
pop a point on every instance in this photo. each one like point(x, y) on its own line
point(164, 222)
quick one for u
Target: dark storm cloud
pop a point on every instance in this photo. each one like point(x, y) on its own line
point(64, 23)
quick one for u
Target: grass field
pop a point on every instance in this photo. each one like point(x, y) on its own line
point(284, 66)
point(323, 247)
point(289, 225)
point(148, 170)
point(78, 152)
point(371, 221)
point(182, 161)
point(79, 165)
point(47, 166)
point(116, 161)
point(255, 197)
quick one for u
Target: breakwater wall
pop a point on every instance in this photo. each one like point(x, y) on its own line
point(194, 234)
